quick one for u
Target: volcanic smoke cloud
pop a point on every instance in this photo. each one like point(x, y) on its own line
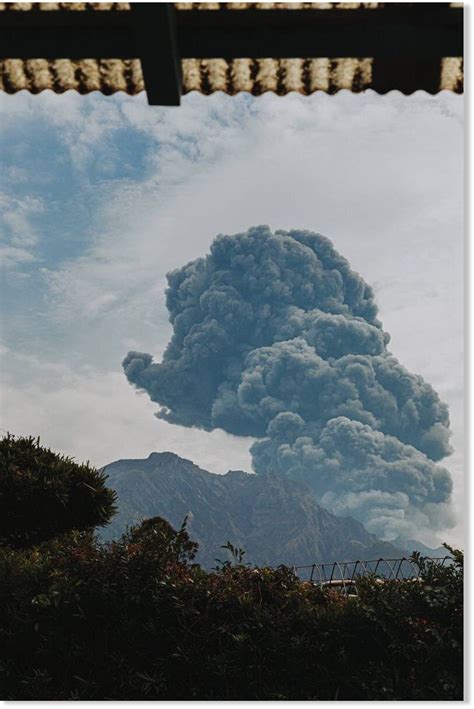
point(275, 337)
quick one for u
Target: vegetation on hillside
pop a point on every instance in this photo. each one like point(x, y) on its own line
point(137, 619)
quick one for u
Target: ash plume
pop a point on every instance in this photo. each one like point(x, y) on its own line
point(275, 337)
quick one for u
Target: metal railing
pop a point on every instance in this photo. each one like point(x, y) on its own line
point(343, 575)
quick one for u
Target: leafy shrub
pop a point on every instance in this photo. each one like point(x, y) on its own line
point(162, 541)
point(43, 494)
point(135, 620)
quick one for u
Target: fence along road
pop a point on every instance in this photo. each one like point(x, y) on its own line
point(342, 575)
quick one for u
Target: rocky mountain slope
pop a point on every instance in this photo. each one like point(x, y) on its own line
point(410, 545)
point(275, 520)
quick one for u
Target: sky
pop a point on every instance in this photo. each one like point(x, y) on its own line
point(102, 196)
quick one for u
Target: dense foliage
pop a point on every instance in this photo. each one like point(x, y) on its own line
point(43, 494)
point(136, 619)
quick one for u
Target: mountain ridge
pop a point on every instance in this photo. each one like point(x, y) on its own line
point(274, 519)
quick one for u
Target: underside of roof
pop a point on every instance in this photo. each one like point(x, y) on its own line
point(231, 74)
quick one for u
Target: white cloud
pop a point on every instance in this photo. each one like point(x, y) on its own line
point(18, 236)
point(12, 256)
point(99, 417)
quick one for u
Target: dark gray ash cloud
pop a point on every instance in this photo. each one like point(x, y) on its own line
point(275, 337)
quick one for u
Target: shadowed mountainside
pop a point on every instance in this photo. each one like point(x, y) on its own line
point(277, 521)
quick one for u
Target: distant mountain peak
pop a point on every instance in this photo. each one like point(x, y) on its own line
point(276, 520)
point(166, 455)
point(241, 473)
point(411, 545)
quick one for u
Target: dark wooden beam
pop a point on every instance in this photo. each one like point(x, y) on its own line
point(65, 34)
point(398, 29)
point(156, 40)
point(406, 76)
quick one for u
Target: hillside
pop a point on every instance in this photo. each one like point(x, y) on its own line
point(410, 545)
point(275, 520)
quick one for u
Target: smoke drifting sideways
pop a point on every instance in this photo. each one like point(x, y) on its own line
point(275, 337)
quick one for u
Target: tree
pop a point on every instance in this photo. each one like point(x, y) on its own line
point(162, 541)
point(44, 494)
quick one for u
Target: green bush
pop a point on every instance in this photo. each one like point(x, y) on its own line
point(135, 620)
point(43, 494)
